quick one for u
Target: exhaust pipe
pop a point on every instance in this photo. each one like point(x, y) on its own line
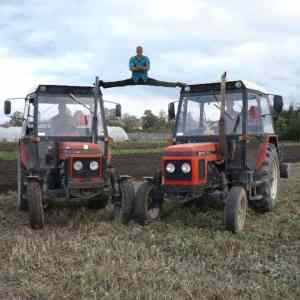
point(222, 122)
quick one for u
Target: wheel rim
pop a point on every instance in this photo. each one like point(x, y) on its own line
point(153, 213)
point(274, 180)
point(242, 212)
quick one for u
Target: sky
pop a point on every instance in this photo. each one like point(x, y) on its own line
point(193, 41)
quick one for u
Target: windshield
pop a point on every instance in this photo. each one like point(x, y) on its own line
point(200, 114)
point(66, 115)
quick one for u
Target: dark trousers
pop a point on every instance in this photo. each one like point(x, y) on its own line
point(130, 81)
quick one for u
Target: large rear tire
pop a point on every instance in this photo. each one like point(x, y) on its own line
point(236, 209)
point(146, 208)
point(268, 176)
point(35, 203)
point(22, 203)
point(123, 209)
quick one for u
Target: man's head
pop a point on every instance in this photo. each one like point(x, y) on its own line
point(139, 50)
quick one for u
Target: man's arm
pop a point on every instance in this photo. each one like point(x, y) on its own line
point(146, 67)
point(132, 66)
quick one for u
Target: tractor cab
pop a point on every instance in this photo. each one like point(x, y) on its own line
point(237, 121)
point(63, 151)
point(199, 111)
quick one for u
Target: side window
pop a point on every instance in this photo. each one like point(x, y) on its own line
point(254, 115)
point(29, 115)
point(267, 119)
point(25, 118)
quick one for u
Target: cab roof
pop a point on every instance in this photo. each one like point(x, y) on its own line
point(63, 89)
point(230, 85)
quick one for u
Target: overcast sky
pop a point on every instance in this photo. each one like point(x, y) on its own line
point(193, 41)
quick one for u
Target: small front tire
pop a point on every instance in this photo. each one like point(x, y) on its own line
point(35, 203)
point(123, 209)
point(236, 209)
point(147, 207)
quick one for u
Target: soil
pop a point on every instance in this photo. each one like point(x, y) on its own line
point(135, 165)
point(125, 164)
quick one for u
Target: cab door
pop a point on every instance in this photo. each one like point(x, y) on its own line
point(260, 125)
point(28, 141)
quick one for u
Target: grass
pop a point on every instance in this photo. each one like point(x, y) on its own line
point(123, 148)
point(136, 151)
point(8, 155)
point(83, 254)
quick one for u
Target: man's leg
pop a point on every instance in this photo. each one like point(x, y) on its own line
point(152, 81)
point(149, 81)
point(110, 84)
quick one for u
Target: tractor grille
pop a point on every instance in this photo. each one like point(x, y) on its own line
point(202, 169)
point(86, 171)
point(178, 174)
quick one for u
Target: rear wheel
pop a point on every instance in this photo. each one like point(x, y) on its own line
point(22, 203)
point(268, 176)
point(35, 203)
point(123, 209)
point(147, 207)
point(236, 209)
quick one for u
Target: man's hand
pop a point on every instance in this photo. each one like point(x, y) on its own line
point(139, 68)
point(136, 69)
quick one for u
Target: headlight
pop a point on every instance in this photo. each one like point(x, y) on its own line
point(170, 168)
point(94, 165)
point(78, 165)
point(186, 168)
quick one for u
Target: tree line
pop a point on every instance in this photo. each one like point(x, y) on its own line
point(287, 125)
point(149, 122)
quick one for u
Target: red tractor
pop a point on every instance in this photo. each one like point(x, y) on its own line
point(224, 147)
point(64, 153)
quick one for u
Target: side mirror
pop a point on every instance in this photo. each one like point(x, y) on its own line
point(118, 111)
point(7, 107)
point(277, 104)
point(171, 111)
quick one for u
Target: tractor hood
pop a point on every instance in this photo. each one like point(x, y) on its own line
point(192, 149)
point(67, 149)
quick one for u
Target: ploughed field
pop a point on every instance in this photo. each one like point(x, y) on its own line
point(133, 159)
point(84, 254)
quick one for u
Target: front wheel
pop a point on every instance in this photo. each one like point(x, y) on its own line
point(35, 202)
point(236, 209)
point(148, 204)
point(123, 209)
